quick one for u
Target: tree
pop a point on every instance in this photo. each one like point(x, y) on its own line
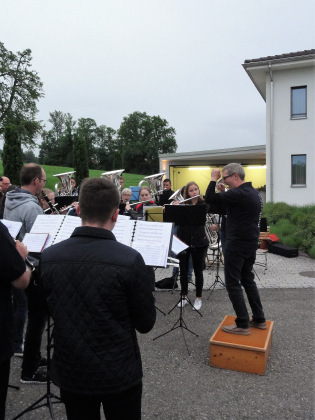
point(106, 148)
point(80, 159)
point(57, 144)
point(87, 129)
point(20, 89)
point(141, 138)
point(12, 154)
point(29, 157)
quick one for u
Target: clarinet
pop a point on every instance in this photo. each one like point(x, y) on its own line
point(52, 207)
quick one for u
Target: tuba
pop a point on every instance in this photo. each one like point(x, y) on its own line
point(113, 176)
point(64, 186)
point(154, 182)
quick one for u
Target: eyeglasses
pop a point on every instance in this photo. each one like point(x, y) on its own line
point(228, 176)
point(41, 179)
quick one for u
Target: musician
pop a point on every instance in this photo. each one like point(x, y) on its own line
point(243, 206)
point(5, 183)
point(74, 190)
point(14, 272)
point(146, 197)
point(124, 205)
point(98, 296)
point(195, 237)
point(43, 202)
point(167, 192)
point(121, 182)
point(22, 206)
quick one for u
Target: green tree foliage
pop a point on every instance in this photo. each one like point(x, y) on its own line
point(87, 129)
point(57, 144)
point(12, 154)
point(20, 89)
point(106, 151)
point(141, 138)
point(80, 160)
point(29, 156)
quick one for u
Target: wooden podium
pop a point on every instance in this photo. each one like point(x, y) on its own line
point(245, 353)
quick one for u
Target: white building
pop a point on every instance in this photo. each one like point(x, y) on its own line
point(287, 84)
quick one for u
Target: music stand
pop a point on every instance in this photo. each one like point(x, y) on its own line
point(183, 215)
point(48, 397)
point(217, 260)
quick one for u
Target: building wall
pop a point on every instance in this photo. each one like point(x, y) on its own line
point(286, 137)
point(181, 175)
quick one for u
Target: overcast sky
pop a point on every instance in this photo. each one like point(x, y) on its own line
point(178, 59)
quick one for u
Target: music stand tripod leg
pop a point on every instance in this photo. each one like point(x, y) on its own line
point(48, 396)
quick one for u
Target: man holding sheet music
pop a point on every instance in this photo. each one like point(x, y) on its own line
point(22, 206)
point(98, 296)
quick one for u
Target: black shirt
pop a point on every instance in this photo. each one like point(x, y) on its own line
point(12, 267)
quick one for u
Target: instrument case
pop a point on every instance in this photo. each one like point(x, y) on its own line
point(284, 250)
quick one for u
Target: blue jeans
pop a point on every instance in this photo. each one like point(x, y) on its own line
point(238, 271)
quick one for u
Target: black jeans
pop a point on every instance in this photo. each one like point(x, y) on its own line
point(4, 380)
point(37, 316)
point(238, 270)
point(198, 259)
point(122, 406)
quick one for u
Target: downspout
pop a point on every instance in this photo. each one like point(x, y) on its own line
point(271, 128)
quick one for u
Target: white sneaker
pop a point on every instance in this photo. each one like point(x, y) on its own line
point(182, 303)
point(197, 304)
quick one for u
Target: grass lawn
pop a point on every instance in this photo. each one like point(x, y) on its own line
point(130, 179)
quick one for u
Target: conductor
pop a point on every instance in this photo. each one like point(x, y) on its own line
point(98, 296)
point(243, 207)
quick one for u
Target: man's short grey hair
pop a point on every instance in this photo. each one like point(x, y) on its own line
point(126, 191)
point(235, 168)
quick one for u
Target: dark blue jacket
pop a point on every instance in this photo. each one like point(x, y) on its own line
point(98, 296)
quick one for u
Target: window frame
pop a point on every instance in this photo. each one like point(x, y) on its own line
point(296, 185)
point(300, 115)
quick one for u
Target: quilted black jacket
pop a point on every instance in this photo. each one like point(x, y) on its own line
point(97, 295)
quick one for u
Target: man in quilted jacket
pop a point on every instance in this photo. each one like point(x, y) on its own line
point(98, 296)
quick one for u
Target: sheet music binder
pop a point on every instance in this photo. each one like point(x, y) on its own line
point(58, 227)
point(152, 240)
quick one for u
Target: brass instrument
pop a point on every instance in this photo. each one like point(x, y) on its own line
point(177, 196)
point(154, 182)
point(64, 186)
point(113, 176)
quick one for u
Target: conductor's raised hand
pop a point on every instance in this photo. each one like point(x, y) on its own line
point(215, 174)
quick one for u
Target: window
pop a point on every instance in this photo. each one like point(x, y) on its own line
point(298, 102)
point(298, 170)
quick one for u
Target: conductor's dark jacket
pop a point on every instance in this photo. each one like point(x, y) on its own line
point(98, 296)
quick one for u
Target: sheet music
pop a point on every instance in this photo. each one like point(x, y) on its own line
point(178, 245)
point(151, 254)
point(67, 228)
point(13, 227)
point(35, 242)
point(123, 230)
point(47, 224)
point(153, 238)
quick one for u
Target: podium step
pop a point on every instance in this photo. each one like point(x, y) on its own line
point(244, 353)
